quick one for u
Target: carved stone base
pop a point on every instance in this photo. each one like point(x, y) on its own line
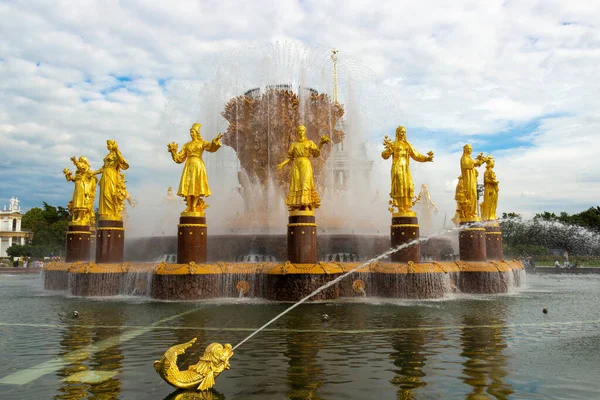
point(404, 230)
point(78, 243)
point(110, 239)
point(471, 244)
point(56, 280)
point(294, 287)
point(484, 282)
point(191, 240)
point(493, 243)
point(186, 287)
point(106, 284)
point(410, 286)
point(283, 281)
point(302, 239)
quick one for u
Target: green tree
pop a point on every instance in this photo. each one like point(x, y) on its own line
point(510, 215)
point(48, 226)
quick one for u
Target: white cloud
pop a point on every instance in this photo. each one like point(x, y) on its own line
point(464, 71)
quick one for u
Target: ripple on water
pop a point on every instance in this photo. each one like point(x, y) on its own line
point(495, 346)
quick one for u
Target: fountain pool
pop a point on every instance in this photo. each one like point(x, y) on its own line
point(499, 346)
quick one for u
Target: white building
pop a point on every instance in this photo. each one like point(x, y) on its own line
point(10, 226)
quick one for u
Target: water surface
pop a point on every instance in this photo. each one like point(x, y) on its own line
point(499, 346)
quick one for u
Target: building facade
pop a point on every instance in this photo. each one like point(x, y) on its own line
point(10, 226)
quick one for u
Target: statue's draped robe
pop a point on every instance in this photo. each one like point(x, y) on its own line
point(490, 196)
point(469, 174)
point(302, 186)
point(194, 181)
point(108, 204)
point(79, 192)
point(403, 188)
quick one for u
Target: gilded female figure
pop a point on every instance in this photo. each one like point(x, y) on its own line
point(84, 192)
point(302, 195)
point(194, 181)
point(111, 193)
point(461, 203)
point(469, 177)
point(403, 187)
point(490, 194)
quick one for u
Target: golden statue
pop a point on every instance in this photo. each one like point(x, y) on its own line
point(123, 195)
point(490, 194)
point(302, 194)
point(112, 184)
point(84, 193)
point(194, 182)
point(200, 376)
point(462, 204)
point(469, 180)
point(262, 124)
point(428, 207)
point(403, 188)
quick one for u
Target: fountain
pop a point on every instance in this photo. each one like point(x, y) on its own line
point(277, 127)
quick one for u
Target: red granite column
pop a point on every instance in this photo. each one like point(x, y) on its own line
point(110, 240)
point(191, 238)
point(493, 242)
point(93, 239)
point(405, 229)
point(302, 237)
point(471, 242)
point(78, 243)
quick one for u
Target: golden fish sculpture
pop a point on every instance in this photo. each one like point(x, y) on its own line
point(200, 376)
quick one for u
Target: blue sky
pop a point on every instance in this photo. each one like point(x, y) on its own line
point(518, 80)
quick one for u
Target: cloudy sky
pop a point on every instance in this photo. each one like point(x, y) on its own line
point(516, 79)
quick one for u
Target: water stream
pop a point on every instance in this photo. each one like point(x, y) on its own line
point(339, 278)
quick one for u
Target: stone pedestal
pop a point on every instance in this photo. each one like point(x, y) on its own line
point(302, 238)
point(78, 243)
point(294, 287)
point(186, 287)
point(110, 239)
point(471, 242)
point(191, 238)
point(93, 237)
point(405, 229)
point(493, 242)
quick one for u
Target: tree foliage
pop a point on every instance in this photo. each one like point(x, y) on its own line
point(589, 218)
point(48, 226)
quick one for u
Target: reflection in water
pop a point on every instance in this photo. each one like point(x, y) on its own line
point(193, 395)
point(468, 352)
point(108, 360)
point(75, 337)
point(410, 358)
point(305, 375)
point(193, 354)
point(485, 365)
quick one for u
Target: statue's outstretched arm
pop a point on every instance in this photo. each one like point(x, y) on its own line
point(98, 171)
point(214, 144)
point(283, 164)
point(178, 157)
point(388, 152)
point(415, 155)
point(68, 175)
point(289, 158)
